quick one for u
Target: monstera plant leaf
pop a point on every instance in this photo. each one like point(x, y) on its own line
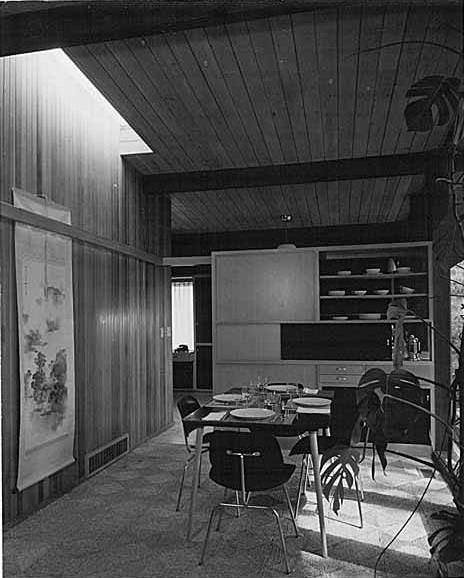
point(401, 413)
point(447, 543)
point(389, 405)
point(339, 468)
point(370, 394)
point(437, 99)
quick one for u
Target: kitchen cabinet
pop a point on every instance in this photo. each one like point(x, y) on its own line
point(265, 286)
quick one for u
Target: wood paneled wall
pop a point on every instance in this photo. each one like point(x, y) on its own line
point(58, 139)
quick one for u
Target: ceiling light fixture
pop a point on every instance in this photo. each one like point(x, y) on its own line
point(286, 219)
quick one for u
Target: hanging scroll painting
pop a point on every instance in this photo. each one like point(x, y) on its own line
point(46, 344)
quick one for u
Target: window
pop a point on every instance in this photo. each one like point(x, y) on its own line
point(182, 314)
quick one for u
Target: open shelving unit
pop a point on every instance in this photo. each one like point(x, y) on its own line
point(347, 307)
point(412, 286)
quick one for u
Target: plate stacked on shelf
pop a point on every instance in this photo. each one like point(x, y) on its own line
point(366, 316)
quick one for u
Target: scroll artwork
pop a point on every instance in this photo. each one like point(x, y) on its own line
point(46, 344)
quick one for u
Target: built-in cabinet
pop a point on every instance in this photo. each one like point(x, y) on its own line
point(265, 286)
point(318, 315)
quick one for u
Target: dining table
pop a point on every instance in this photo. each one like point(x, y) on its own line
point(286, 420)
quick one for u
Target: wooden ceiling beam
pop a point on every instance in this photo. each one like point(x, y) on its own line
point(78, 23)
point(292, 174)
point(27, 27)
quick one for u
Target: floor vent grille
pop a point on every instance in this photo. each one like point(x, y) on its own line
point(103, 456)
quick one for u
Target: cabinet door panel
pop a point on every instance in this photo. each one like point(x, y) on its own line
point(247, 342)
point(266, 287)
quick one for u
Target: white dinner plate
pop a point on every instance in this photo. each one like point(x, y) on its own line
point(370, 316)
point(281, 388)
point(228, 397)
point(312, 401)
point(252, 413)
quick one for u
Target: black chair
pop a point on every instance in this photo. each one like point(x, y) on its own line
point(187, 405)
point(248, 462)
point(343, 415)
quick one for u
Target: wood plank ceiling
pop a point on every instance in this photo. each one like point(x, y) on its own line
point(319, 85)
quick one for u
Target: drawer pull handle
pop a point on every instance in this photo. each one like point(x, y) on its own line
point(341, 368)
point(341, 378)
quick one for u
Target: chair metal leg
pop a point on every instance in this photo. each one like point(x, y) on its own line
point(282, 539)
point(300, 485)
point(361, 488)
point(237, 501)
point(208, 531)
point(196, 474)
point(358, 499)
point(199, 477)
point(318, 488)
point(179, 496)
point(308, 467)
point(218, 525)
point(290, 509)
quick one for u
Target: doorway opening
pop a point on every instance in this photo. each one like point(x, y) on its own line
point(183, 341)
point(191, 328)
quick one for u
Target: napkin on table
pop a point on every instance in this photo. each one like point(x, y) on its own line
point(214, 416)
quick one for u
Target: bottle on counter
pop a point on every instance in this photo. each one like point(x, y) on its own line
point(414, 348)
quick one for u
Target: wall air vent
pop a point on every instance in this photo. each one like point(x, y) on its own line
point(103, 456)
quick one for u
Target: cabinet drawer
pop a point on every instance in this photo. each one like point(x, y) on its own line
point(341, 369)
point(418, 369)
point(348, 380)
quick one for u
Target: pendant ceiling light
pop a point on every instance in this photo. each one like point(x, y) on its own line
point(286, 219)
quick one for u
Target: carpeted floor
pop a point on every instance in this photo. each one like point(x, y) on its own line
point(122, 524)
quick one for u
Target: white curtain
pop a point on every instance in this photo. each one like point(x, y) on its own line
point(182, 314)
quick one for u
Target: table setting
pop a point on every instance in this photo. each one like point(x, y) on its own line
point(279, 409)
point(273, 402)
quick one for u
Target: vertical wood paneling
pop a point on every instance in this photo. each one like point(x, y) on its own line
point(326, 39)
point(348, 46)
point(222, 44)
point(393, 28)
point(58, 139)
point(304, 29)
point(244, 52)
point(266, 58)
point(370, 37)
